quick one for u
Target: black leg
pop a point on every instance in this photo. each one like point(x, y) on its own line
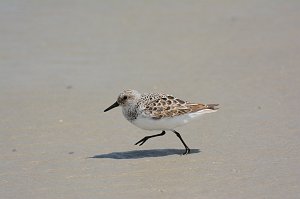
point(142, 141)
point(187, 149)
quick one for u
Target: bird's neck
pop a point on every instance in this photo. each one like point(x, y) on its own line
point(130, 112)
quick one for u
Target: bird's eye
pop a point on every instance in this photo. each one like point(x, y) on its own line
point(125, 97)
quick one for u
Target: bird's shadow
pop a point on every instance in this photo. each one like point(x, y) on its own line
point(137, 154)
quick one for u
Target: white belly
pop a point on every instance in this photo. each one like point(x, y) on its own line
point(168, 123)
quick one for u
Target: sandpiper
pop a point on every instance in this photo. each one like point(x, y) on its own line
point(157, 111)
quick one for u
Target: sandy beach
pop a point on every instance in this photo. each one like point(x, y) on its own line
point(63, 62)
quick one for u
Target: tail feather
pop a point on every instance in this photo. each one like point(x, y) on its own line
point(212, 106)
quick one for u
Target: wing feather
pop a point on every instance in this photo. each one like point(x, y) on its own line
point(169, 106)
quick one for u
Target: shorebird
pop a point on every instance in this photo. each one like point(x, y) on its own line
point(157, 111)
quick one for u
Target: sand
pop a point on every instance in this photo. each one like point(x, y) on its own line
point(63, 62)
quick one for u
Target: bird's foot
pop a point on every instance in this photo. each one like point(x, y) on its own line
point(187, 151)
point(142, 141)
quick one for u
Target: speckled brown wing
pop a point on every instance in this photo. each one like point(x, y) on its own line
point(169, 106)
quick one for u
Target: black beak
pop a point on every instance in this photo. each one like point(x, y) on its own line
point(116, 104)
